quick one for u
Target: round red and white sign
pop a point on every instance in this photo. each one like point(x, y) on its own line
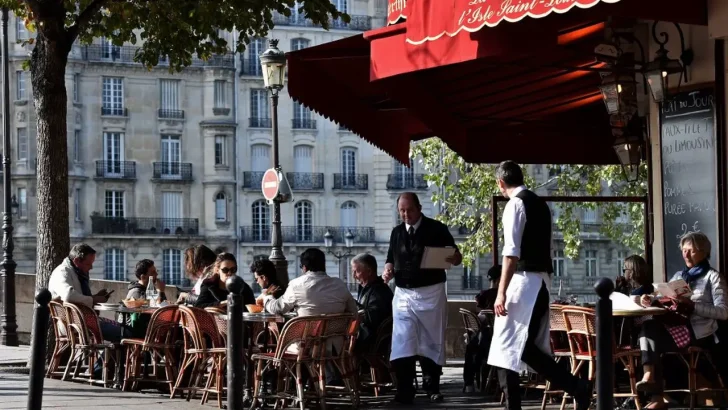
point(270, 184)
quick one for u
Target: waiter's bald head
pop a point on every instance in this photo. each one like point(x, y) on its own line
point(509, 175)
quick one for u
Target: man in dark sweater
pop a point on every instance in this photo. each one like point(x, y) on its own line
point(521, 328)
point(374, 299)
point(420, 300)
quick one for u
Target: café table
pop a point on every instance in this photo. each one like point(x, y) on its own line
point(120, 352)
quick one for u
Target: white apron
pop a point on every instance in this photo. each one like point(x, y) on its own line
point(511, 331)
point(419, 322)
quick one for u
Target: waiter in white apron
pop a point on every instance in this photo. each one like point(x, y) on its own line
point(419, 307)
point(521, 329)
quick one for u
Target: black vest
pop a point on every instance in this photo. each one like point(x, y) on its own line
point(536, 241)
point(408, 255)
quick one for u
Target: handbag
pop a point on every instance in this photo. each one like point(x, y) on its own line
point(677, 325)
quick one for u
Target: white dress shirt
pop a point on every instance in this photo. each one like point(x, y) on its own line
point(314, 293)
point(514, 222)
point(416, 225)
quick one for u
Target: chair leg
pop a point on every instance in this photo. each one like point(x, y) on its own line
point(299, 386)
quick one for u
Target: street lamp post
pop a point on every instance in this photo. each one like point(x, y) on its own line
point(346, 252)
point(273, 62)
point(8, 324)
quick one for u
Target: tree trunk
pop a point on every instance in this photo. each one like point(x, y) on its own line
point(48, 70)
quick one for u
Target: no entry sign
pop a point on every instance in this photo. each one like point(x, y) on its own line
point(270, 184)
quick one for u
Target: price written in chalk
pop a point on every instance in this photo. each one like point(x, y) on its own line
point(685, 230)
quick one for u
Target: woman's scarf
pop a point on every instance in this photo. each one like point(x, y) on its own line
point(690, 275)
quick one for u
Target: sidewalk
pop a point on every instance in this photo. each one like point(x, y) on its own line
point(14, 356)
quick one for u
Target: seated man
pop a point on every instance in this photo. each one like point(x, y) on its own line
point(264, 272)
point(144, 271)
point(69, 282)
point(374, 299)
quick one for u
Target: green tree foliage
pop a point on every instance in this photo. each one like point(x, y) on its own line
point(464, 191)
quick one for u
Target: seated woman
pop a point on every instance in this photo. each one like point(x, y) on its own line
point(638, 276)
point(704, 308)
point(213, 291)
point(145, 272)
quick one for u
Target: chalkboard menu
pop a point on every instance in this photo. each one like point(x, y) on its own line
point(689, 188)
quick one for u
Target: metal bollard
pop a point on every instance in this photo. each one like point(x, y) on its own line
point(605, 333)
point(235, 371)
point(38, 357)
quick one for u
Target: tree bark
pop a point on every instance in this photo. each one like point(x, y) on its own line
point(48, 70)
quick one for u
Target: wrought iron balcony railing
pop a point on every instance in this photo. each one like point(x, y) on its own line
point(125, 55)
point(144, 226)
point(304, 124)
point(357, 22)
point(180, 171)
point(171, 114)
point(256, 122)
point(305, 181)
point(351, 182)
point(472, 282)
point(406, 181)
point(306, 234)
point(116, 169)
point(253, 180)
point(115, 111)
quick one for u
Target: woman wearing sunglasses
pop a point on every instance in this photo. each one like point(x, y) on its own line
point(213, 291)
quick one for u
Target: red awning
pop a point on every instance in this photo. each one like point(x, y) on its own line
point(534, 104)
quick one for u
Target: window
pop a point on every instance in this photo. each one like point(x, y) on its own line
point(112, 96)
point(304, 221)
point(341, 5)
point(592, 263)
point(22, 203)
point(349, 215)
point(260, 157)
point(20, 77)
point(172, 211)
point(259, 108)
point(261, 221)
point(113, 154)
point(299, 44)
point(169, 99)
point(589, 216)
point(301, 116)
point(77, 205)
point(108, 50)
point(559, 263)
point(220, 207)
point(303, 159)
point(115, 264)
point(405, 174)
point(20, 31)
point(220, 94)
point(76, 87)
point(172, 267)
point(220, 150)
point(621, 256)
point(171, 156)
point(348, 167)
point(255, 49)
point(623, 217)
point(22, 144)
point(296, 15)
point(77, 145)
point(114, 206)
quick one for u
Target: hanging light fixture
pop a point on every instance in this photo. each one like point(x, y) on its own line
point(628, 133)
point(619, 90)
point(659, 71)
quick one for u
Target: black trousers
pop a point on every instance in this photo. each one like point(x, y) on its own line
point(541, 363)
point(405, 369)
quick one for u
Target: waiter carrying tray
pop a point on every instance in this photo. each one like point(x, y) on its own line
point(521, 328)
point(420, 302)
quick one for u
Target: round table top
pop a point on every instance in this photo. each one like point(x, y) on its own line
point(650, 311)
point(120, 308)
point(263, 317)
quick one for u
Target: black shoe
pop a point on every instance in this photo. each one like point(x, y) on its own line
point(436, 397)
point(583, 396)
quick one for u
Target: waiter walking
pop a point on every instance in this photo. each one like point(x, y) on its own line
point(521, 329)
point(420, 301)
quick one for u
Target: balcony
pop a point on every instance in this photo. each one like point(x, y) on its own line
point(171, 114)
point(472, 282)
point(356, 23)
point(144, 226)
point(172, 171)
point(351, 182)
point(255, 122)
point(104, 53)
point(406, 181)
point(305, 181)
point(116, 169)
point(253, 180)
point(303, 124)
point(305, 234)
point(114, 111)
point(250, 67)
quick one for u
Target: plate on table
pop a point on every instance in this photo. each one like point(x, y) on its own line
point(108, 304)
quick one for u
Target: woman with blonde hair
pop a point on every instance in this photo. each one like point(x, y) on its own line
point(197, 260)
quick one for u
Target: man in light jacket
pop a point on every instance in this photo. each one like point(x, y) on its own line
point(70, 283)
